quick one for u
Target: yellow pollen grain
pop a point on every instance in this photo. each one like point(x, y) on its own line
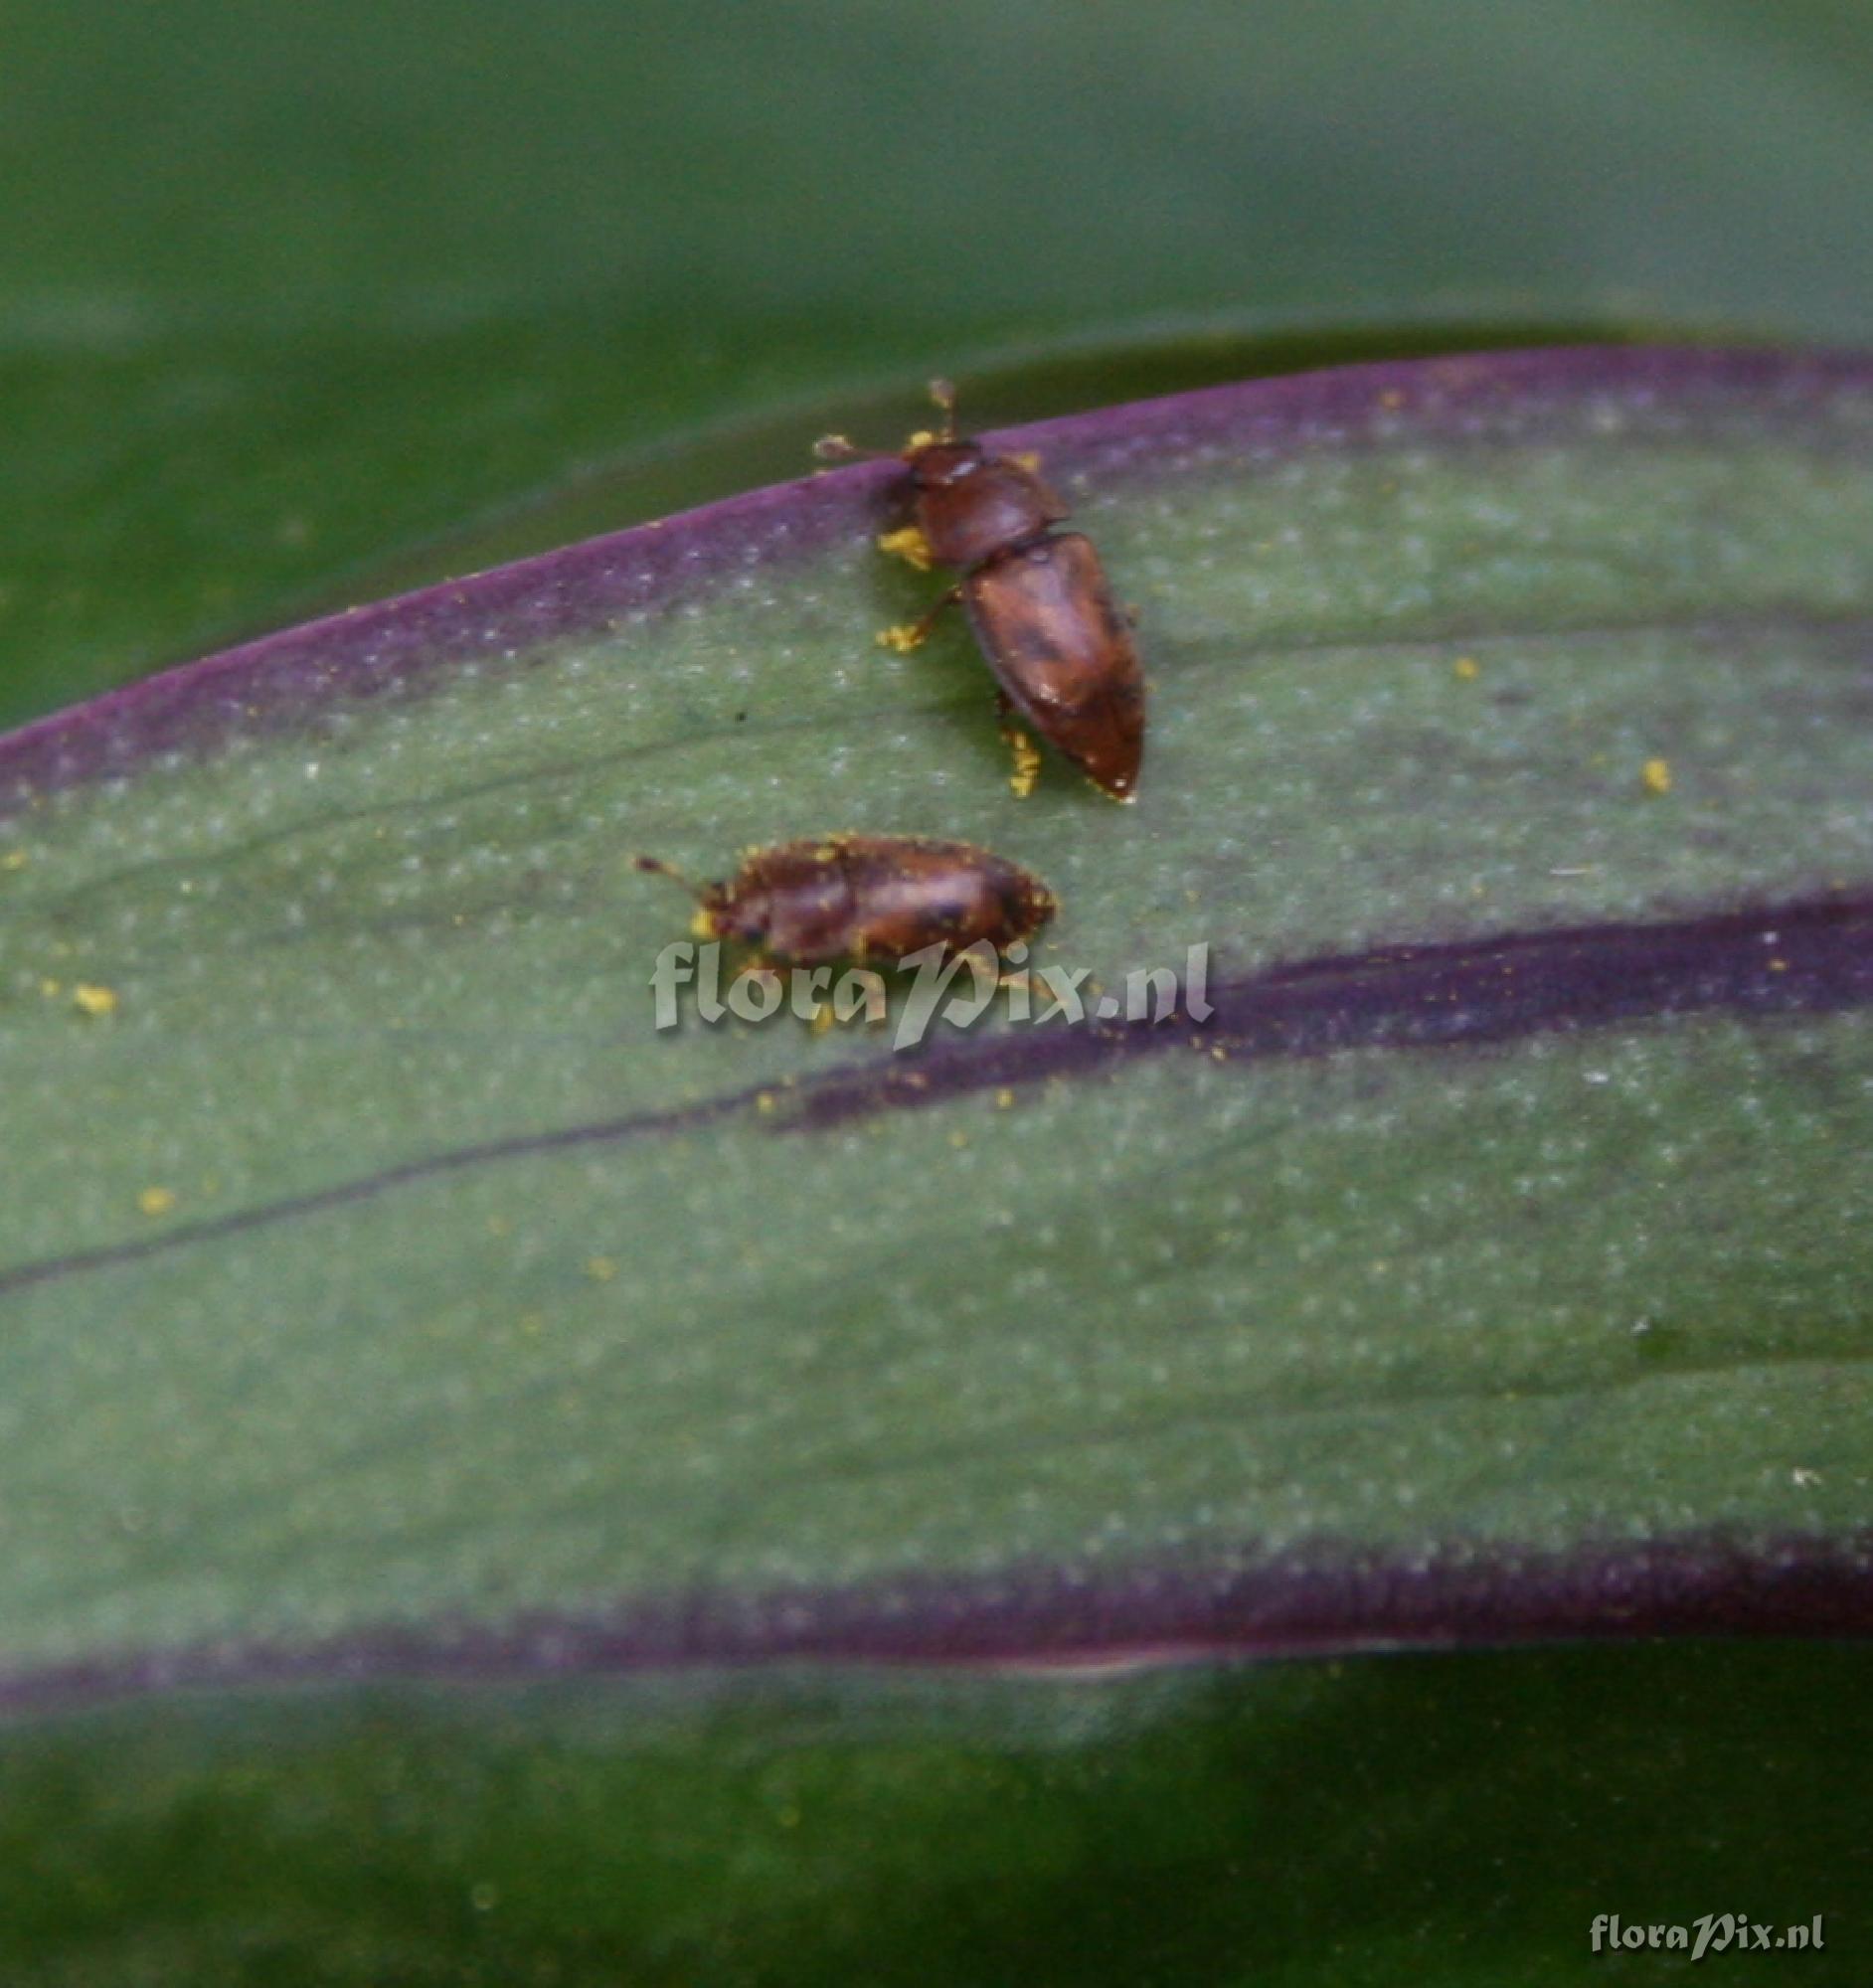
point(1027, 765)
point(921, 438)
point(1656, 774)
point(901, 638)
point(764, 1100)
point(958, 1140)
point(1027, 460)
point(1004, 1097)
point(94, 1000)
point(1468, 668)
point(52, 989)
point(600, 1269)
point(909, 545)
point(156, 1199)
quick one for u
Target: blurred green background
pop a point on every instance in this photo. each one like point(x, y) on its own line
point(301, 304)
point(298, 305)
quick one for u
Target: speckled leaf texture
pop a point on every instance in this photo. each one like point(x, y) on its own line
point(387, 1306)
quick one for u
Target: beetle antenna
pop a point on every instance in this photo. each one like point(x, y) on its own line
point(842, 448)
point(943, 394)
point(655, 866)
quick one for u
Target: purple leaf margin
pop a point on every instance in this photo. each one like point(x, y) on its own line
point(291, 681)
point(1314, 1601)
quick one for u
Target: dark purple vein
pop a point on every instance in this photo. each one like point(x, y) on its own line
point(431, 1166)
point(1812, 957)
point(1326, 1596)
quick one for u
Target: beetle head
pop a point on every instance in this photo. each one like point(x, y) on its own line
point(941, 464)
point(733, 915)
point(719, 912)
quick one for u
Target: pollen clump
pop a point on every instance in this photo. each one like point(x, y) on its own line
point(1657, 773)
point(901, 638)
point(94, 1000)
point(1027, 765)
point(909, 545)
point(156, 1199)
point(1468, 668)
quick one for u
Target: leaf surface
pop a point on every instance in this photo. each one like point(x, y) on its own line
point(1493, 1261)
point(441, 1409)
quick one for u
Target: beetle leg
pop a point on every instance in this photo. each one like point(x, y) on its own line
point(1027, 758)
point(842, 448)
point(914, 634)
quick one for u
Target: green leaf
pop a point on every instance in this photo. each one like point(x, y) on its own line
point(1448, 1819)
point(385, 1294)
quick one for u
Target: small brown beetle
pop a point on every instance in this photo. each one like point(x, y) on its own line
point(835, 897)
point(1037, 599)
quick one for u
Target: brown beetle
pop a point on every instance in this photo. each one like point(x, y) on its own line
point(1037, 599)
point(867, 897)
